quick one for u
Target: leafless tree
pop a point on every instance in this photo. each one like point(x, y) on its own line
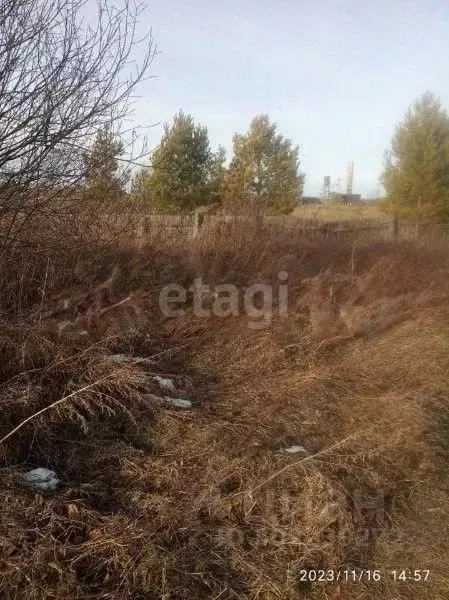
point(67, 69)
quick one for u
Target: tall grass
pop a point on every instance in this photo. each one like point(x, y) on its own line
point(159, 503)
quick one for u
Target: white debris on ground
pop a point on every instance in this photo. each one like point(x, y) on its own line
point(165, 382)
point(179, 402)
point(41, 479)
point(294, 450)
point(120, 358)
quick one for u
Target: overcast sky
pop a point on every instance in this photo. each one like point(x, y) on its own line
point(335, 75)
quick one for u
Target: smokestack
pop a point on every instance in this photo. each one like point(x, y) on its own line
point(350, 178)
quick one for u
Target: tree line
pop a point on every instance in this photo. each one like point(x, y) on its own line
point(66, 88)
point(263, 172)
point(184, 172)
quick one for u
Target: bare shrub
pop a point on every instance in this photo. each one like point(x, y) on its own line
point(61, 81)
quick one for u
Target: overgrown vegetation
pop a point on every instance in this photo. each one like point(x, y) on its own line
point(163, 503)
point(316, 442)
point(60, 83)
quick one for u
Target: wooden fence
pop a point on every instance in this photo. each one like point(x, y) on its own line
point(167, 226)
point(191, 225)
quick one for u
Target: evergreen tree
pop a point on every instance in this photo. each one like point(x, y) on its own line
point(104, 177)
point(185, 172)
point(263, 175)
point(416, 175)
point(218, 176)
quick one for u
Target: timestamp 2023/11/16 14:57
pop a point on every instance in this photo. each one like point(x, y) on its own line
point(363, 575)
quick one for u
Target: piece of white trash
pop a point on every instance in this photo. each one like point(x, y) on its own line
point(294, 450)
point(165, 382)
point(118, 358)
point(41, 479)
point(179, 402)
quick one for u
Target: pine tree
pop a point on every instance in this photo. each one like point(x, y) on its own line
point(185, 172)
point(263, 175)
point(416, 175)
point(218, 176)
point(104, 177)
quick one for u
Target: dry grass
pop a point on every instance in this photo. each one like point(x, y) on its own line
point(159, 503)
point(338, 212)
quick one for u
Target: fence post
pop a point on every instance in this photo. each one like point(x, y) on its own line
point(198, 221)
point(200, 214)
point(394, 227)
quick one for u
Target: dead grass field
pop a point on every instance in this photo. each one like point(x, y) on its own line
point(334, 212)
point(165, 503)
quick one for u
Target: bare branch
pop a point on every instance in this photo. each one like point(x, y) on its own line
point(61, 80)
